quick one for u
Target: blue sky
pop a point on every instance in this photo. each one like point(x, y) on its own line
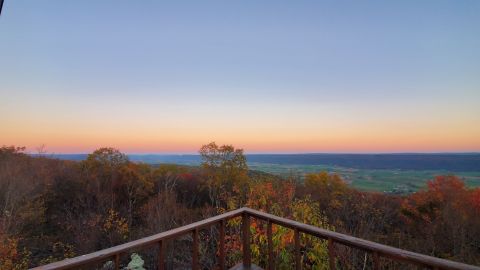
point(239, 72)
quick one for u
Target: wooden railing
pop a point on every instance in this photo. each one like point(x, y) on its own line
point(333, 238)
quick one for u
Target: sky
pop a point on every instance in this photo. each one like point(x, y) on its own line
point(266, 76)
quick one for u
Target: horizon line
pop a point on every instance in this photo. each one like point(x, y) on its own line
point(280, 153)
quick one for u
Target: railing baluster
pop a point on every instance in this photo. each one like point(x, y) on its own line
point(195, 264)
point(331, 253)
point(115, 253)
point(296, 236)
point(221, 246)
point(247, 259)
point(117, 261)
point(161, 254)
point(270, 245)
point(376, 261)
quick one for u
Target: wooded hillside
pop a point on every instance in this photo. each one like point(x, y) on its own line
point(52, 209)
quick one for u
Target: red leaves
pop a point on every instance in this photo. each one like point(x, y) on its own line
point(475, 199)
point(444, 195)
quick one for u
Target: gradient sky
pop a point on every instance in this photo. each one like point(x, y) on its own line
point(266, 76)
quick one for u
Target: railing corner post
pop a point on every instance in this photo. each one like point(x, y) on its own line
point(376, 261)
point(331, 253)
point(298, 259)
point(117, 261)
point(247, 259)
point(270, 245)
point(195, 251)
point(221, 248)
point(161, 254)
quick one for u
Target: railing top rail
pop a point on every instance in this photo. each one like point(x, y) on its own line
point(383, 250)
point(150, 240)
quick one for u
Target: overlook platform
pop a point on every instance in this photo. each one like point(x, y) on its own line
point(376, 250)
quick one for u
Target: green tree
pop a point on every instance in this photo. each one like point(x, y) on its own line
point(326, 188)
point(101, 169)
point(226, 169)
point(133, 187)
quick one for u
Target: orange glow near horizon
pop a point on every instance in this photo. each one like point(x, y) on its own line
point(142, 127)
point(273, 140)
point(272, 129)
point(332, 129)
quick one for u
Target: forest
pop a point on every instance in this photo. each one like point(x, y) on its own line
point(52, 209)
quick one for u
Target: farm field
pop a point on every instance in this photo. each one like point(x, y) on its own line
point(382, 180)
point(390, 173)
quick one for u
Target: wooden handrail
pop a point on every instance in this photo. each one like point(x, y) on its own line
point(378, 250)
point(108, 253)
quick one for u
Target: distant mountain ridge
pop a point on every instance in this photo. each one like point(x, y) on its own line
point(443, 161)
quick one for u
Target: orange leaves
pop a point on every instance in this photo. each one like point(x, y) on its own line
point(427, 205)
point(226, 171)
point(8, 253)
point(106, 157)
point(10, 257)
point(444, 215)
point(475, 199)
point(233, 242)
point(443, 188)
point(272, 197)
point(278, 197)
point(445, 183)
point(326, 188)
point(445, 200)
point(114, 224)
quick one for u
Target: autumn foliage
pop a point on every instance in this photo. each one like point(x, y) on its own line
point(444, 218)
point(53, 209)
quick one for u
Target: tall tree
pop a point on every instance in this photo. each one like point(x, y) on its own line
point(102, 168)
point(226, 169)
